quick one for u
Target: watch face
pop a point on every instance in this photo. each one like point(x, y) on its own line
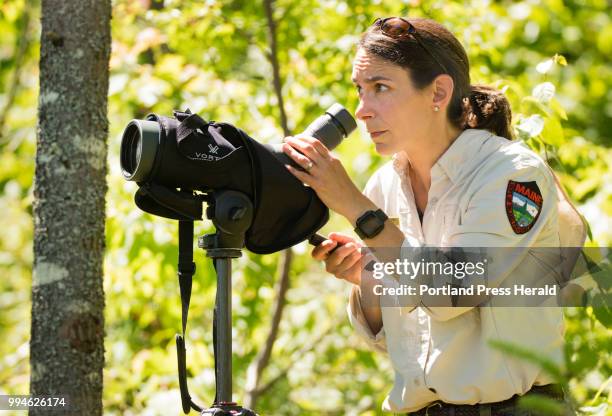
point(371, 224)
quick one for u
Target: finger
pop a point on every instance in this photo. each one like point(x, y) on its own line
point(347, 266)
point(298, 157)
point(339, 254)
point(341, 238)
point(321, 251)
point(349, 261)
point(302, 176)
point(316, 143)
point(305, 147)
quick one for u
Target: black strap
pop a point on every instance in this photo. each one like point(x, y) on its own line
point(194, 122)
point(186, 270)
point(188, 125)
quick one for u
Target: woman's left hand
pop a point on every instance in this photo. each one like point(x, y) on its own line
point(324, 173)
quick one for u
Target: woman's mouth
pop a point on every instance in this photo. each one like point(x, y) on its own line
point(375, 134)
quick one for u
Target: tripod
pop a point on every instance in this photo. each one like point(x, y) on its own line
point(232, 213)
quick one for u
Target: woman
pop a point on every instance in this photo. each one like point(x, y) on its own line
point(454, 180)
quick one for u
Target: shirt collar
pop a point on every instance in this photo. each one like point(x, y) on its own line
point(462, 154)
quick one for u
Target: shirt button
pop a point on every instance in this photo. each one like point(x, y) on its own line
point(416, 381)
point(434, 200)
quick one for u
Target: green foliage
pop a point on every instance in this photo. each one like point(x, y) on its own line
point(541, 405)
point(550, 57)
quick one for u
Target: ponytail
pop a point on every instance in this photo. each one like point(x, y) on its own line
point(487, 108)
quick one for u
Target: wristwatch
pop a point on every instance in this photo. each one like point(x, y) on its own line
point(370, 223)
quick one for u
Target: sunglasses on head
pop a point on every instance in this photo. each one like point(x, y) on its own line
point(397, 27)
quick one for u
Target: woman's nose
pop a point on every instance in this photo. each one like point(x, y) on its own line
point(363, 111)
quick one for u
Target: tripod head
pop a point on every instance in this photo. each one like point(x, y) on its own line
point(232, 214)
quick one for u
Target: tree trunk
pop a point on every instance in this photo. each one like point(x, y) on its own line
point(67, 339)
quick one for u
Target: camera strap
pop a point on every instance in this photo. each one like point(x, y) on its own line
point(186, 270)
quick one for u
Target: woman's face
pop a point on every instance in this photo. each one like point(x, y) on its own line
point(396, 114)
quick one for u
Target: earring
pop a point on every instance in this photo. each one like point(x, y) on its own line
point(436, 108)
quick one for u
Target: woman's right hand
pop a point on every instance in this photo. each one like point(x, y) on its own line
point(345, 261)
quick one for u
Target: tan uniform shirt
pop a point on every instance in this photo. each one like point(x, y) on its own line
point(442, 353)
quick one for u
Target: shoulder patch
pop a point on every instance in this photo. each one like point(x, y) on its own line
point(523, 205)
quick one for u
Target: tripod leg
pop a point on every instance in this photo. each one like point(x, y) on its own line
point(223, 322)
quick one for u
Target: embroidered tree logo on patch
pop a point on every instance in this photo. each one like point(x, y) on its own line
point(523, 205)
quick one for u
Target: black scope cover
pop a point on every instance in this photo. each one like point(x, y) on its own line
point(206, 156)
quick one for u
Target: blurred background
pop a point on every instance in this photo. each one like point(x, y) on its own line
point(552, 59)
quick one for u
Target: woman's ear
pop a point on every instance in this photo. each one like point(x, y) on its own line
point(443, 87)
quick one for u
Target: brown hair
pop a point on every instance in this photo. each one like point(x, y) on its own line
point(471, 106)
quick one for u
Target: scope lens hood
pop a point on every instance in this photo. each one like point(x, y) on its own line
point(139, 144)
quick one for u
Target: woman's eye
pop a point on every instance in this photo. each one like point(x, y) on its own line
point(381, 87)
point(377, 88)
